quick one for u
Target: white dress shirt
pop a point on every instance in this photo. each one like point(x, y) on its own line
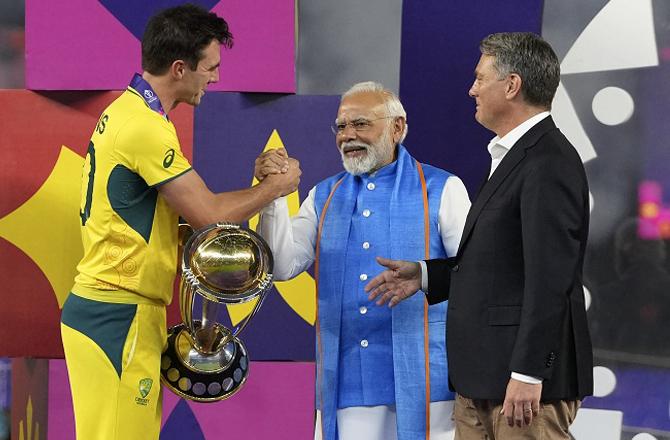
point(500, 146)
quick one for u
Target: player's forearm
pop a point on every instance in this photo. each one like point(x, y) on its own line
point(239, 206)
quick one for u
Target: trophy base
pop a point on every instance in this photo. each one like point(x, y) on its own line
point(203, 377)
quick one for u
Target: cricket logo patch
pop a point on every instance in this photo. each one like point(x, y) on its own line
point(144, 388)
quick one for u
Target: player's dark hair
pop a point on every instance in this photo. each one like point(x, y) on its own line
point(181, 33)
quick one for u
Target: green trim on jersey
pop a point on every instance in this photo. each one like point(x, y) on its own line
point(106, 324)
point(159, 184)
point(131, 198)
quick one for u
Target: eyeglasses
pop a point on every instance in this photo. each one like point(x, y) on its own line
point(359, 125)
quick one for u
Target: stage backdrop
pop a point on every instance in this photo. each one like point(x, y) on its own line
point(612, 103)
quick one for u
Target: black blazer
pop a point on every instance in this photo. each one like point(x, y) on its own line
point(516, 301)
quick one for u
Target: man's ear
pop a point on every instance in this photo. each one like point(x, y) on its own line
point(513, 88)
point(398, 128)
point(177, 69)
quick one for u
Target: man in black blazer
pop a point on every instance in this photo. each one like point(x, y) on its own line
point(517, 338)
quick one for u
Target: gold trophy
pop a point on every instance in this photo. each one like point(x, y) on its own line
point(221, 264)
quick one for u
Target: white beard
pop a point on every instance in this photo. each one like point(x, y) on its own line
point(376, 155)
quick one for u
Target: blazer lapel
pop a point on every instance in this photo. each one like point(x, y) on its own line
point(515, 155)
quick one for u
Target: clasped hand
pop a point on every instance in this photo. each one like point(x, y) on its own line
point(283, 171)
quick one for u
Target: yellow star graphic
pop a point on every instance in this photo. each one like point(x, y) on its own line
point(46, 226)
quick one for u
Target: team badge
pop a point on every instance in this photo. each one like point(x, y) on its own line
point(145, 386)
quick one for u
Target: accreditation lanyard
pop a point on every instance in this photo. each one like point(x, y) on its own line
point(140, 86)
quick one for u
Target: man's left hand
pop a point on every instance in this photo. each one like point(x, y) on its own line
point(401, 280)
point(522, 402)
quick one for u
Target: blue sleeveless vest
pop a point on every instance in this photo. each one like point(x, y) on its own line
point(404, 238)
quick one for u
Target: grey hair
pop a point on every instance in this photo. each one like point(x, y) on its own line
point(530, 57)
point(391, 101)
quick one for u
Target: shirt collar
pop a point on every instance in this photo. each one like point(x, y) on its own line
point(499, 146)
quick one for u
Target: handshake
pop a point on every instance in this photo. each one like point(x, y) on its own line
point(275, 168)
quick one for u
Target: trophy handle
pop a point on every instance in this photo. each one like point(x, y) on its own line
point(257, 307)
point(187, 288)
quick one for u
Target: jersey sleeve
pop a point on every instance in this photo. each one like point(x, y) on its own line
point(151, 149)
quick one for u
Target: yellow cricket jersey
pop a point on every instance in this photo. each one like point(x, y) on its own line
point(128, 230)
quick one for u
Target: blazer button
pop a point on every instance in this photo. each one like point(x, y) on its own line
point(456, 268)
point(550, 359)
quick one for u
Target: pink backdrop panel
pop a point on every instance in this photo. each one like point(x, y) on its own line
point(276, 402)
point(81, 45)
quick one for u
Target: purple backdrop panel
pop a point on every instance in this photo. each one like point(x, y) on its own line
point(440, 49)
point(94, 45)
point(276, 402)
point(230, 130)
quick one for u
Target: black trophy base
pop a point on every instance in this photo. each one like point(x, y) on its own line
point(203, 377)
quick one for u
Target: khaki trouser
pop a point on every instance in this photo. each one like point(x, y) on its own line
point(481, 420)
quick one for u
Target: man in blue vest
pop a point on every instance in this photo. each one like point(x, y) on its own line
point(381, 372)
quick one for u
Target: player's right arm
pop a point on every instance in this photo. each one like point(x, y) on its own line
point(190, 198)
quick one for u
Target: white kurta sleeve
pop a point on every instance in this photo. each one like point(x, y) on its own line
point(454, 207)
point(291, 240)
